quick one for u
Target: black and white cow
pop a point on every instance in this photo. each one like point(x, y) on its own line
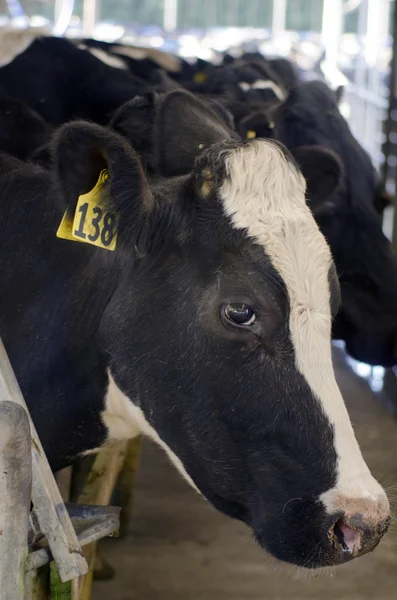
point(350, 220)
point(61, 81)
point(348, 215)
point(207, 328)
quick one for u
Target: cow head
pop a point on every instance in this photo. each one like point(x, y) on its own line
point(217, 339)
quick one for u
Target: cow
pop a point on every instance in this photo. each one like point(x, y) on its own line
point(196, 309)
point(149, 64)
point(348, 215)
point(61, 82)
point(244, 85)
point(351, 221)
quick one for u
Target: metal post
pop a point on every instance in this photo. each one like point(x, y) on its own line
point(89, 17)
point(62, 15)
point(15, 486)
point(387, 148)
point(331, 31)
point(392, 109)
point(359, 78)
point(170, 15)
point(49, 507)
point(279, 16)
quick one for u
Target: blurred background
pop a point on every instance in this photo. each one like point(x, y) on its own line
point(348, 41)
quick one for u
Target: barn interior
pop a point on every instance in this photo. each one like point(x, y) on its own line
point(173, 545)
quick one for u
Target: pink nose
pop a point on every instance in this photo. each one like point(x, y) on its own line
point(358, 533)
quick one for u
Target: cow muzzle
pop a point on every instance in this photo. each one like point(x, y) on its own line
point(357, 527)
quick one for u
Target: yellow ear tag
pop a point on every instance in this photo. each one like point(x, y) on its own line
point(251, 134)
point(93, 222)
point(199, 77)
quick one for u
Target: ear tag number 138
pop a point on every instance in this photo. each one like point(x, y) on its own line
point(93, 222)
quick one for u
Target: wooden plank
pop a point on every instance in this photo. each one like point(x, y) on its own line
point(124, 492)
point(98, 490)
point(59, 590)
point(37, 584)
point(64, 479)
point(48, 504)
point(15, 490)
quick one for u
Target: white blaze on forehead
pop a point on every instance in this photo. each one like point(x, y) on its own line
point(264, 194)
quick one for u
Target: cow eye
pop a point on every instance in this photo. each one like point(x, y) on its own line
point(240, 315)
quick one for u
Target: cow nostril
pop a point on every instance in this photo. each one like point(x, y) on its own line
point(346, 536)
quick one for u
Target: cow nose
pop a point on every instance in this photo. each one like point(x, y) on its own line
point(355, 534)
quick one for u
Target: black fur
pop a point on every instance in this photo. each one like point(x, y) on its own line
point(229, 403)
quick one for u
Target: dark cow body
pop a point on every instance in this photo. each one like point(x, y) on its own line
point(154, 73)
point(351, 223)
point(190, 330)
point(61, 82)
point(22, 130)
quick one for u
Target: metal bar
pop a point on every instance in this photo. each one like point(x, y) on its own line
point(331, 31)
point(98, 490)
point(62, 16)
point(365, 94)
point(48, 504)
point(392, 108)
point(170, 15)
point(279, 16)
point(15, 486)
point(89, 17)
point(107, 521)
point(392, 105)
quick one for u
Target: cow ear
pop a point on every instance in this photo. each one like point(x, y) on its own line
point(185, 126)
point(134, 121)
point(81, 152)
point(42, 156)
point(323, 172)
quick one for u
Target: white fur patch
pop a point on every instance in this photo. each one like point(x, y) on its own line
point(15, 41)
point(108, 59)
point(265, 195)
point(125, 421)
point(261, 84)
point(169, 62)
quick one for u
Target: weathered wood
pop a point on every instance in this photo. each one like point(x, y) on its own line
point(37, 584)
point(98, 490)
point(15, 491)
point(59, 590)
point(48, 504)
point(124, 492)
point(64, 479)
point(91, 523)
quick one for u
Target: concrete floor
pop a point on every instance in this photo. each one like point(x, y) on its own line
point(179, 548)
